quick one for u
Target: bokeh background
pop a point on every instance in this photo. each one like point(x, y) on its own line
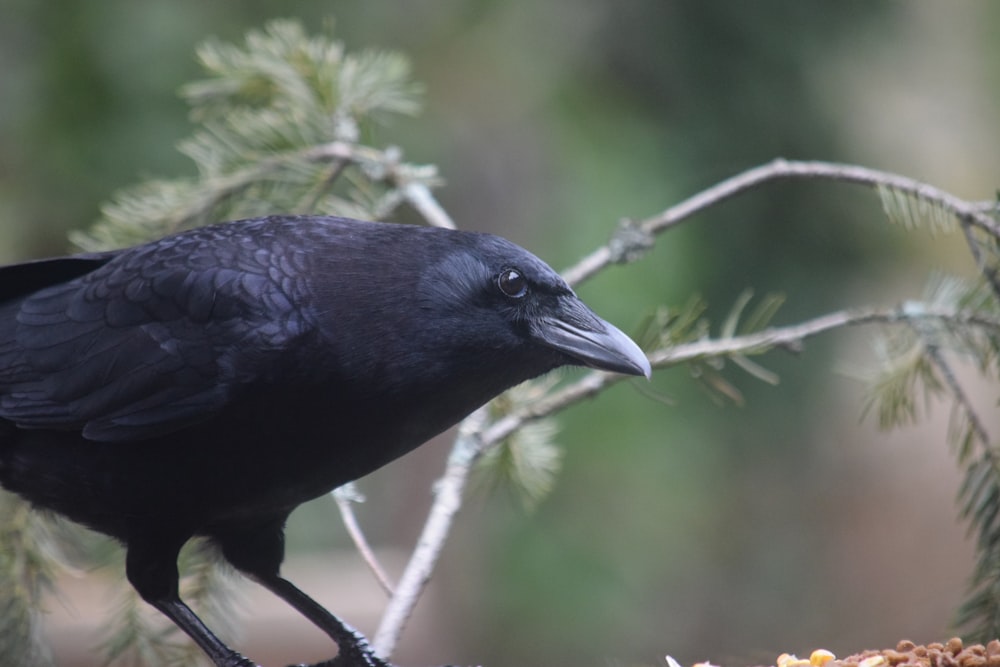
point(682, 527)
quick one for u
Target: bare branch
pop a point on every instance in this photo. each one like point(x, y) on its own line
point(419, 197)
point(415, 191)
point(790, 337)
point(447, 501)
point(988, 272)
point(961, 398)
point(345, 496)
point(969, 213)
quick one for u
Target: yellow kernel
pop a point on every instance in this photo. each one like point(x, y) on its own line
point(873, 661)
point(784, 659)
point(820, 657)
point(789, 660)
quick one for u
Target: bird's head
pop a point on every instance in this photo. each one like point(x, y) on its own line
point(501, 304)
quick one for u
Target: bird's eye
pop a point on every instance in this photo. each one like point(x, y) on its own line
point(512, 283)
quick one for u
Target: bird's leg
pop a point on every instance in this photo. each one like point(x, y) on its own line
point(257, 549)
point(188, 621)
point(151, 567)
point(353, 649)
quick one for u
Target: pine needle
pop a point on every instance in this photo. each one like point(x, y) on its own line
point(912, 212)
point(528, 461)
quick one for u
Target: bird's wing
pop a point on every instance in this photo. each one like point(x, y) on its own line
point(18, 280)
point(149, 341)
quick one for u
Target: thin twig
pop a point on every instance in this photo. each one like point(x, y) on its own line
point(411, 180)
point(979, 257)
point(973, 213)
point(345, 496)
point(961, 398)
point(312, 199)
point(789, 337)
point(419, 196)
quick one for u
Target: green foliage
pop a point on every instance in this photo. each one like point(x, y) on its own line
point(669, 327)
point(905, 376)
point(912, 212)
point(758, 320)
point(139, 635)
point(279, 121)
point(528, 461)
point(915, 367)
point(307, 78)
point(28, 562)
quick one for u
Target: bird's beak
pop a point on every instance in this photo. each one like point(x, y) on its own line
point(576, 331)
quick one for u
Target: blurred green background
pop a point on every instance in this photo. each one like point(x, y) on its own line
point(689, 528)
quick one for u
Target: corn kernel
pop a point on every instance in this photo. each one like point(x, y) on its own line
point(820, 657)
point(784, 659)
point(873, 661)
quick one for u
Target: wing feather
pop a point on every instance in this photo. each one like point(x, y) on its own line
point(154, 338)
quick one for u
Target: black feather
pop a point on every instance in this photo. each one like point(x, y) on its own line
point(209, 382)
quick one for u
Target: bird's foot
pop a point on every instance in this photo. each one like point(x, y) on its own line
point(374, 661)
point(366, 661)
point(358, 655)
point(237, 660)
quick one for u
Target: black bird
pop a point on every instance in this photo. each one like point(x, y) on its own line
point(209, 382)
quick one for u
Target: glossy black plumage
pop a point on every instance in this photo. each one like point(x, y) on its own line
point(209, 382)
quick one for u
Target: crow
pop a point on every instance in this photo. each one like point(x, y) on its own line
point(207, 383)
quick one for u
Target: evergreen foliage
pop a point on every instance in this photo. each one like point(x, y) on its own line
point(916, 366)
point(280, 121)
point(28, 562)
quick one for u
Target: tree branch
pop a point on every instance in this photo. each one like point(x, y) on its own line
point(447, 501)
point(974, 214)
point(345, 496)
point(790, 337)
point(419, 196)
point(410, 179)
point(987, 271)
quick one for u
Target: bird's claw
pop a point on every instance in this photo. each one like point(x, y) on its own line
point(353, 659)
point(357, 656)
point(374, 661)
point(237, 660)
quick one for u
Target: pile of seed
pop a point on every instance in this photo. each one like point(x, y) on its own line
point(907, 654)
